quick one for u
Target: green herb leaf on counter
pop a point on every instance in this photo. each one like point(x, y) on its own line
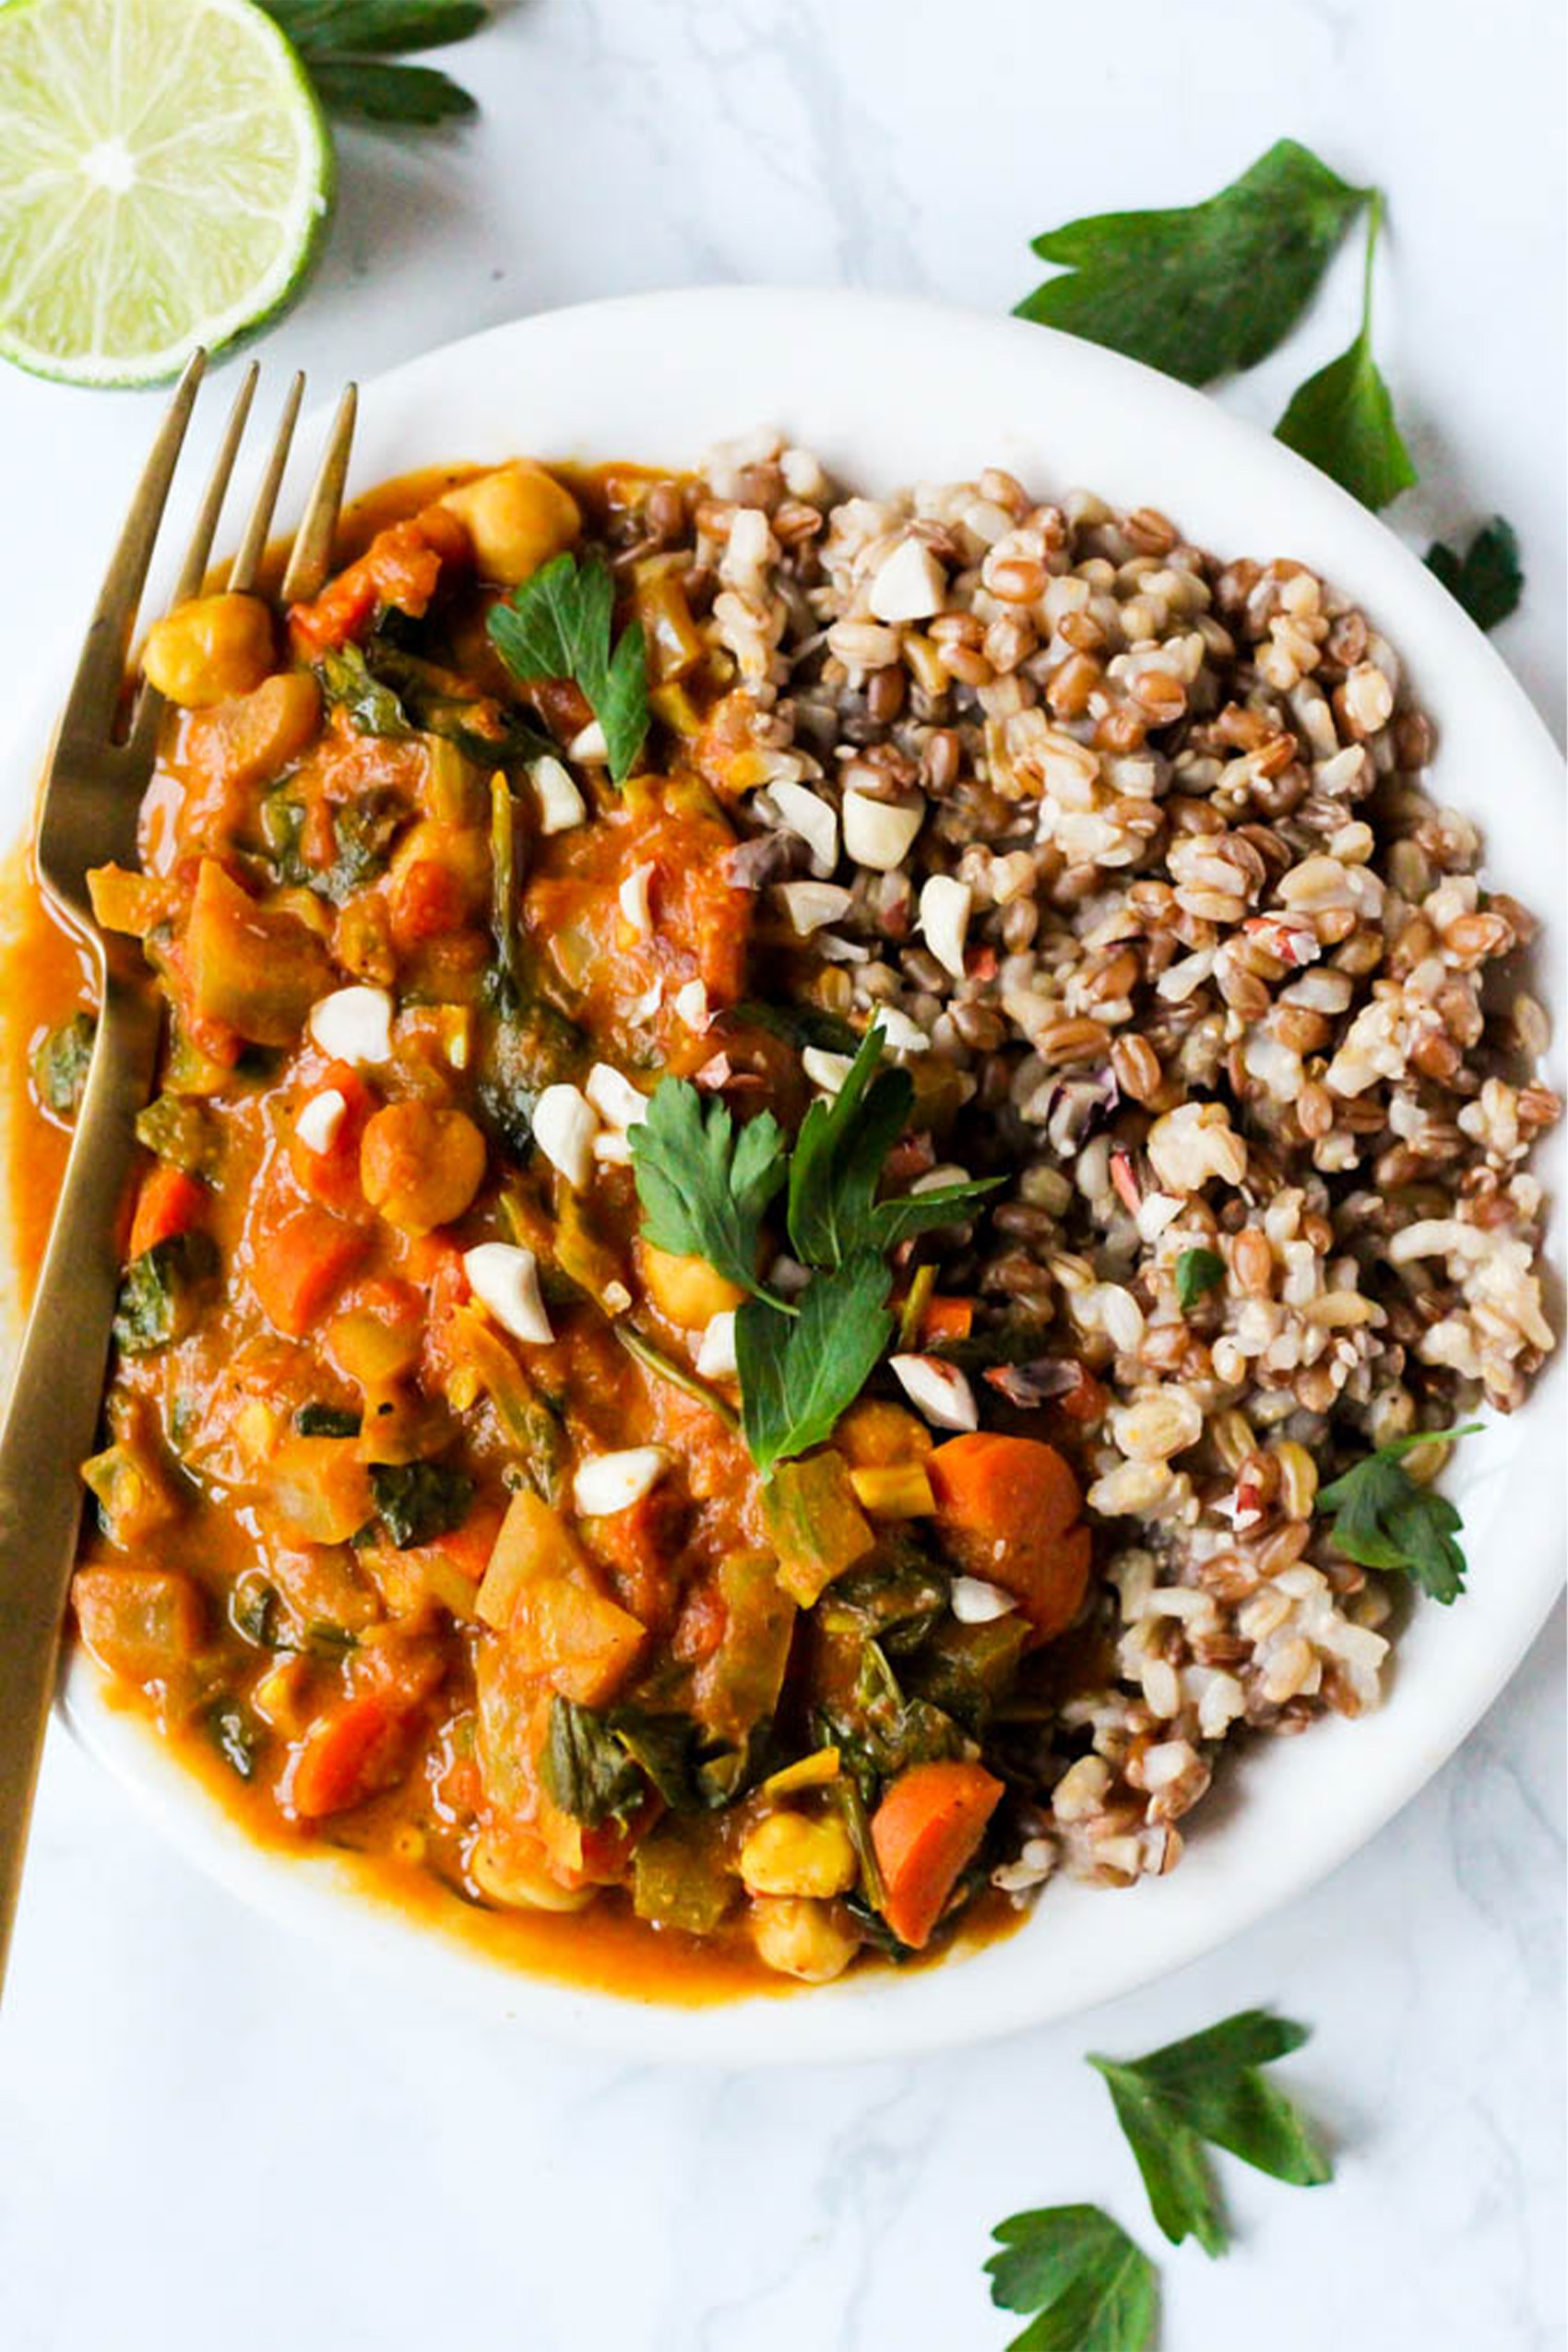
point(339, 40)
point(1201, 289)
point(705, 1186)
point(1092, 2289)
point(560, 625)
point(1342, 418)
point(798, 1376)
point(1196, 1272)
point(1487, 579)
point(60, 1062)
point(837, 1162)
point(1209, 2088)
point(1384, 1519)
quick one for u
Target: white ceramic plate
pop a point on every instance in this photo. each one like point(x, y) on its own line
point(889, 392)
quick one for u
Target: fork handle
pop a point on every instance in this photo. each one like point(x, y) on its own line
point(56, 1395)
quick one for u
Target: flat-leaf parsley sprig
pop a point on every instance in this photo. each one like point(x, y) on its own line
point(560, 625)
point(1092, 2289)
point(1487, 579)
point(1384, 1518)
point(706, 1186)
point(344, 46)
point(1342, 418)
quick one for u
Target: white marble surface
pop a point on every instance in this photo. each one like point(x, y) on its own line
point(209, 2137)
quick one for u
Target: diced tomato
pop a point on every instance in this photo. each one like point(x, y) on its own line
point(428, 901)
point(170, 1202)
point(641, 1544)
point(301, 1263)
point(401, 566)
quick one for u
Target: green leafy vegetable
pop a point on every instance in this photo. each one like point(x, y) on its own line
point(237, 1736)
point(484, 731)
point(664, 1746)
point(837, 1162)
point(416, 1501)
point(1208, 2088)
point(60, 1062)
point(559, 625)
point(798, 1373)
point(1487, 579)
point(162, 1292)
point(347, 684)
point(1203, 289)
point(704, 1186)
point(1092, 2288)
point(338, 39)
point(879, 1730)
point(664, 1367)
point(1384, 1519)
point(586, 1768)
point(1342, 418)
point(325, 1420)
point(1196, 1271)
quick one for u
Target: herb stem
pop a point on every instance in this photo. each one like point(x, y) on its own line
point(1374, 223)
point(654, 1360)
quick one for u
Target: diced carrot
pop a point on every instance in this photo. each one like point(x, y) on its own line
point(140, 1623)
point(332, 1177)
point(300, 1266)
point(1007, 1509)
point(927, 1827)
point(344, 1755)
point(946, 1318)
point(170, 1202)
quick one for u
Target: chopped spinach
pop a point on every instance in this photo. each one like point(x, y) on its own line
point(895, 1601)
point(252, 1612)
point(347, 684)
point(60, 1064)
point(664, 1746)
point(525, 1049)
point(880, 1732)
point(237, 1736)
point(162, 1292)
point(585, 1769)
point(968, 1670)
point(327, 1420)
point(416, 1501)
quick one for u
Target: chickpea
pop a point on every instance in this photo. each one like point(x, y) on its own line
point(518, 517)
point(420, 1165)
point(513, 1874)
point(792, 1854)
point(801, 1939)
point(687, 1290)
point(210, 650)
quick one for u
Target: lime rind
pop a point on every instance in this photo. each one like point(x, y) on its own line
point(166, 179)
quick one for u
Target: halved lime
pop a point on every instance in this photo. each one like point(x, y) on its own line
point(165, 178)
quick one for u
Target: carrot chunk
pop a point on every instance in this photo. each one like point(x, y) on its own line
point(170, 1202)
point(343, 1757)
point(300, 1265)
point(1008, 1509)
point(926, 1828)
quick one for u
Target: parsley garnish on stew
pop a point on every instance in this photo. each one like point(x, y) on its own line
point(705, 1187)
point(1487, 579)
point(1384, 1519)
point(560, 625)
point(1201, 289)
point(1210, 2089)
point(1091, 2288)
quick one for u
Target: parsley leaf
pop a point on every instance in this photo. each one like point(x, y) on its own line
point(1092, 2288)
point(1197, 1271)
point(1209, 2088)
point(1487, 579)
point(559, 625)
point(837, 1162)
point(1201, 289)
point(338, 39)
point(1384, 1519)
point(704, 1189)
point(798, 1376)
point(1342, 418)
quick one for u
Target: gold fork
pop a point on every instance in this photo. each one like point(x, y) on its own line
point(87, 817)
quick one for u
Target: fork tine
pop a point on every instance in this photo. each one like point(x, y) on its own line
point(99, 675)
point(252, 547)
point(193, 571)
point(312, 555)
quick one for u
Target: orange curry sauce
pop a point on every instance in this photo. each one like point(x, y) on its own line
point(330, 1309)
